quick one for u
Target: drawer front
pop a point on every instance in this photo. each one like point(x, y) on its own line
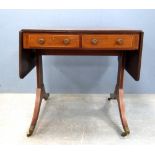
point(111, 41)
point(43, 40)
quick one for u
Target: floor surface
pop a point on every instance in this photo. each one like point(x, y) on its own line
point(76, 119)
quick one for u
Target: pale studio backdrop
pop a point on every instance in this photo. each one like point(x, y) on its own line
point(75, 74)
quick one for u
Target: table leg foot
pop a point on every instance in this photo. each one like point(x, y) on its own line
point(112, 97)
point(126, 132)
point(46, 96)
point(31, 129)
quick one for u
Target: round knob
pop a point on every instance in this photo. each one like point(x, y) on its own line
point(66, 41)
point(41, 41)
point(119, 41)
point(94, 41)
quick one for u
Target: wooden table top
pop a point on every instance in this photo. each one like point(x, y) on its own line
point(81, 41)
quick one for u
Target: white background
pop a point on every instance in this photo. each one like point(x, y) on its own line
point(79, 4)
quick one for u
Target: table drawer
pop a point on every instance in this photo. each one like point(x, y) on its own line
point(42, 40)
point(111, 41)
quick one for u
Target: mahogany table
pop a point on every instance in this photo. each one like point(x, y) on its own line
point(125, 44)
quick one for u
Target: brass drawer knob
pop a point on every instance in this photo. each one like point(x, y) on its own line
point(41, 41)
point(66, 41)
point(94, 41)
point(119, 41)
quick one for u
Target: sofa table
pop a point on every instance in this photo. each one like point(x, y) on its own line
point(125, 44)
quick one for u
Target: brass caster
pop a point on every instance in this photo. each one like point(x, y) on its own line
point(30, 132)
point(126, 132)
point(45, 96)
point(112, 97)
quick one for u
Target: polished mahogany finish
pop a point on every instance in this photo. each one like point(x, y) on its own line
point(125, 44)
point(111, 41)
point(42, 40)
